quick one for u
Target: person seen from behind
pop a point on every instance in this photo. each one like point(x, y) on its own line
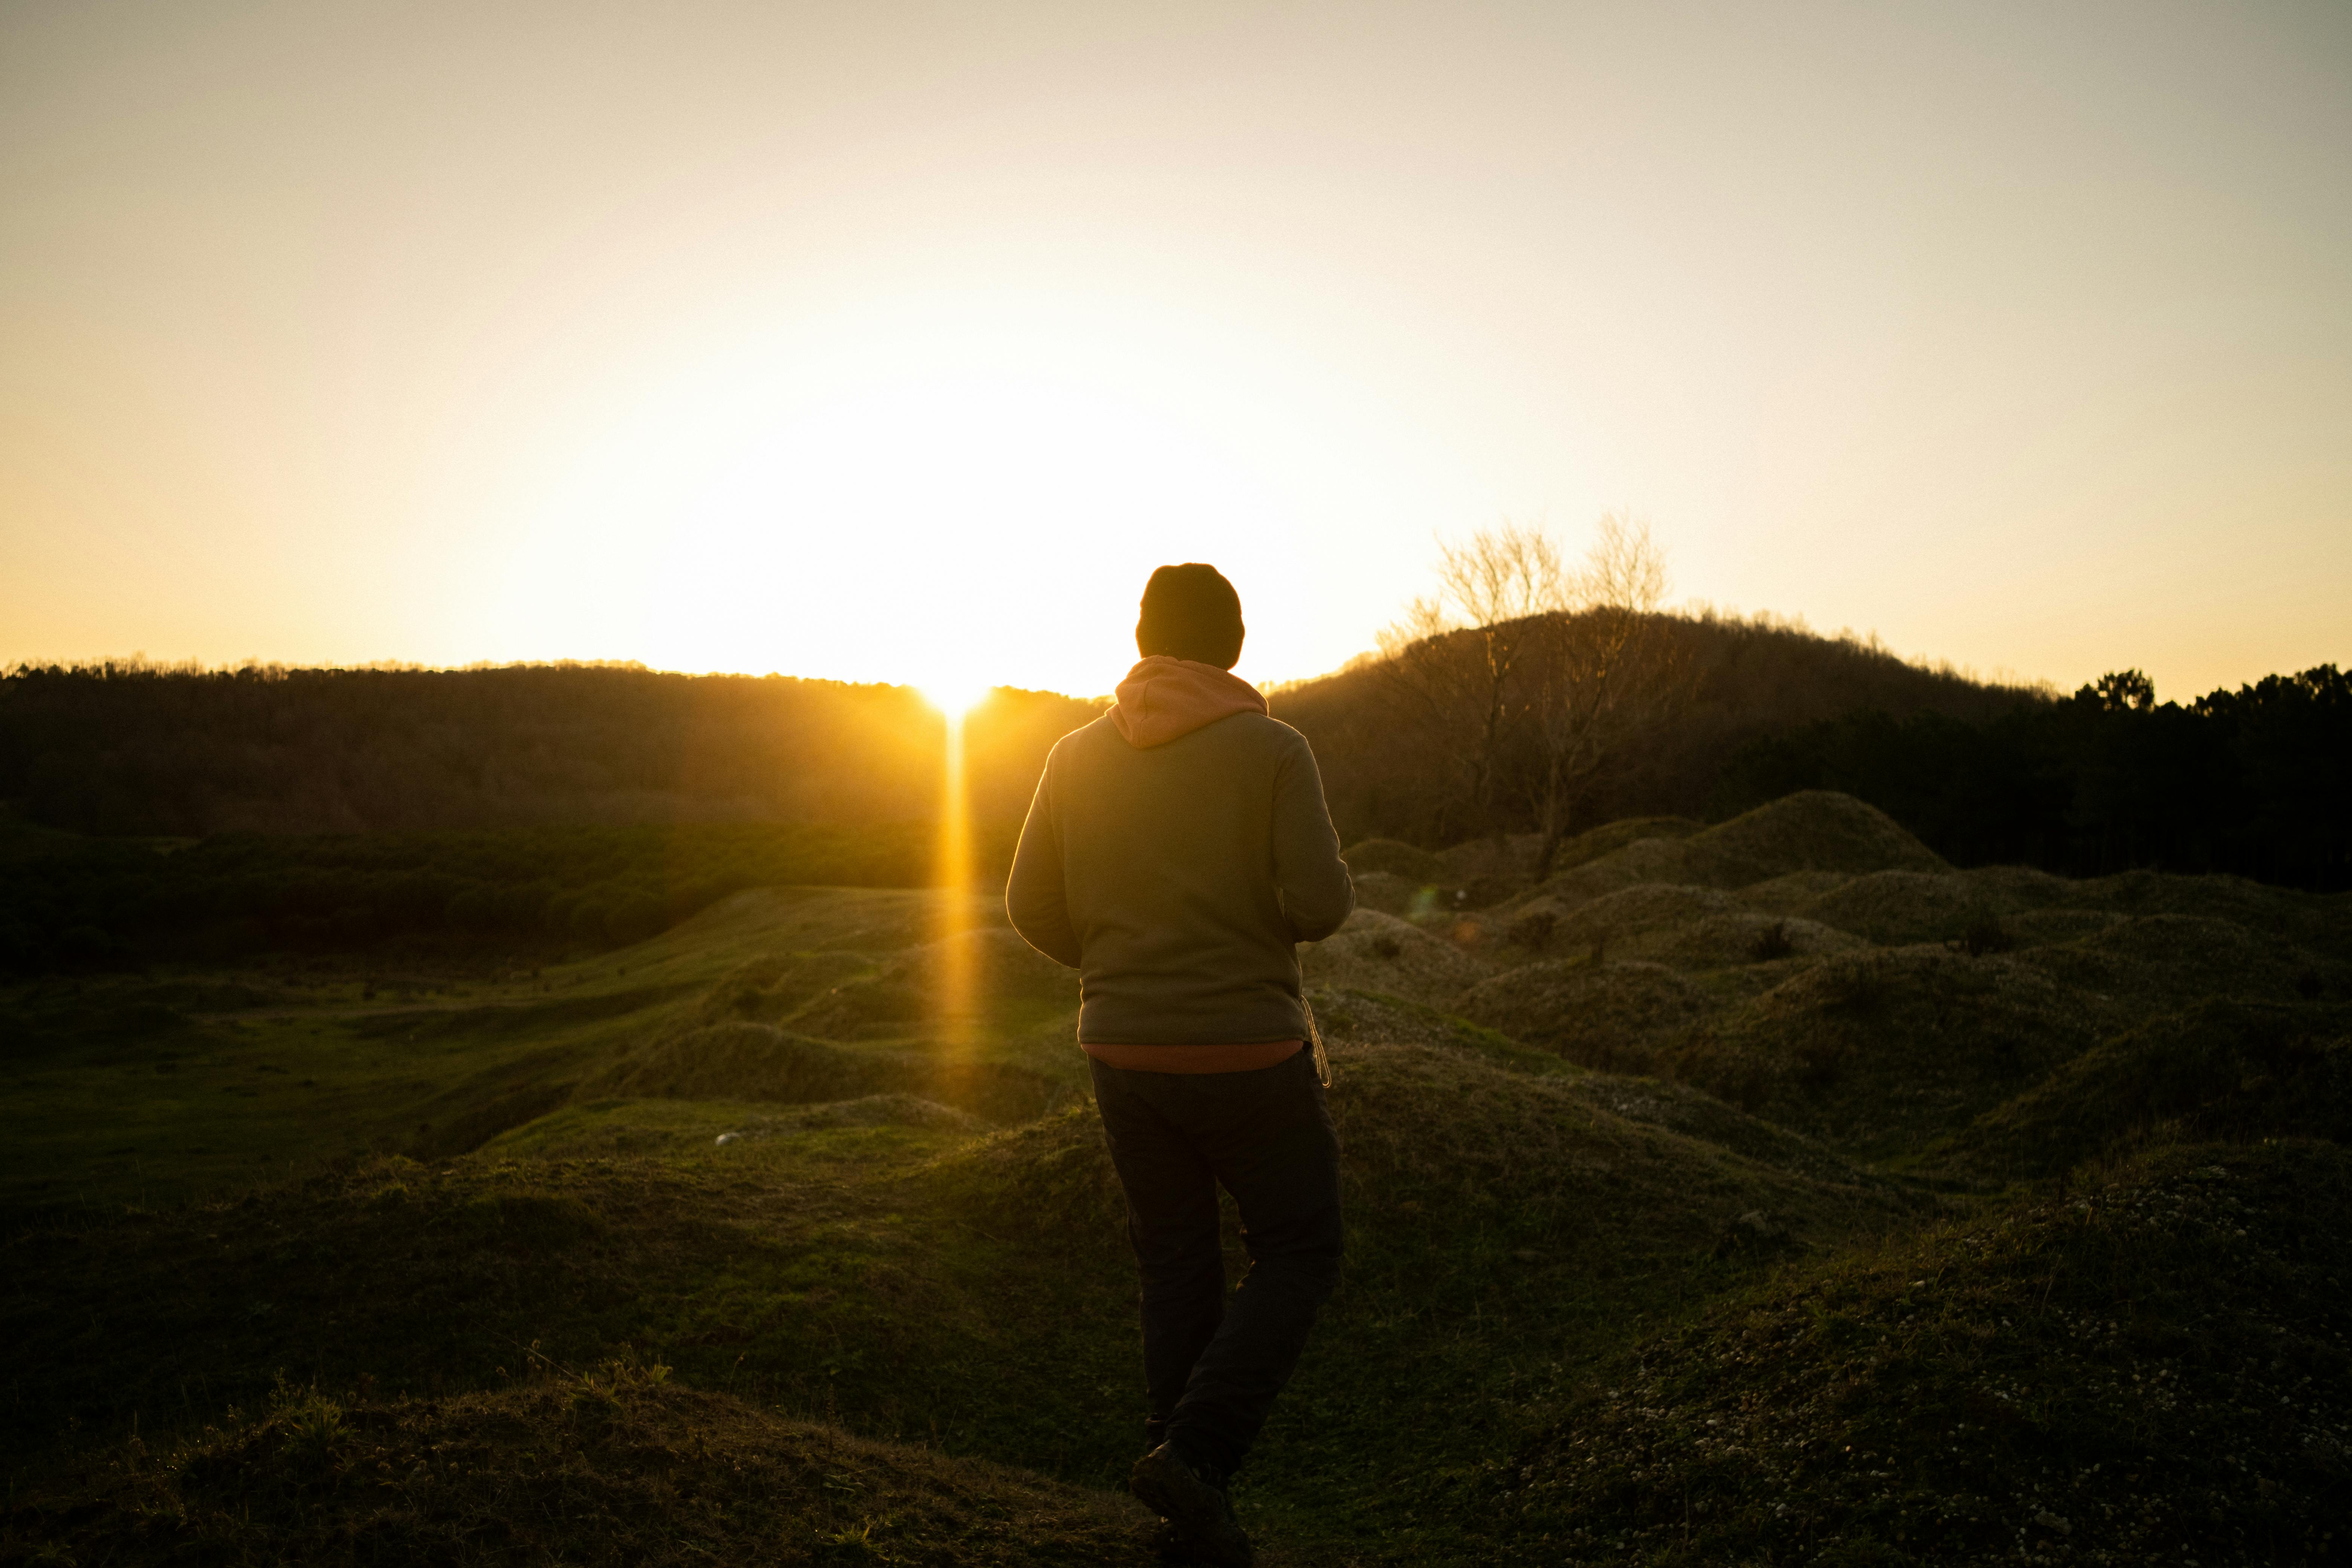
point(1176, 851)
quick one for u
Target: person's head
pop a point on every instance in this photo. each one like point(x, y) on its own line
point(1191, 612)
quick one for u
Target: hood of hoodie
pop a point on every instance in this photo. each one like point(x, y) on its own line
point(1163, 697)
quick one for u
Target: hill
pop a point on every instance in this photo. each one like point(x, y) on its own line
point(1388, 773)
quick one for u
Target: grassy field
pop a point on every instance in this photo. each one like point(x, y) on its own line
point(1766, 1193)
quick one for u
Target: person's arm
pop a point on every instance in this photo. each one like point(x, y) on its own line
point(1035, 897)
point(1317, 893)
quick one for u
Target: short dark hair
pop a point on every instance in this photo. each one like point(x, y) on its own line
point(1191, 612)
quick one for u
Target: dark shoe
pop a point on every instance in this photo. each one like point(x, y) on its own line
point(1199, 1511)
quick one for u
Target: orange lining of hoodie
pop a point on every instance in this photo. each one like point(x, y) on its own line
point(1253, 1056)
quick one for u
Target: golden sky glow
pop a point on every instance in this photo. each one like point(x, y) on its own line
point(898, 341)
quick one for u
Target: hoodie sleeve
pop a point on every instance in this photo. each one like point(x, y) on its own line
point(1317, 893)
point(1035, 898)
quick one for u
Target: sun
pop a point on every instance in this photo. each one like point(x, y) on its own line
point(954, 695)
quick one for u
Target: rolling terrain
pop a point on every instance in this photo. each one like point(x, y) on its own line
point(1771, 1190)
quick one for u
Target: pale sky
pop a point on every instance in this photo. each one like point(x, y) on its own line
point(892, 342)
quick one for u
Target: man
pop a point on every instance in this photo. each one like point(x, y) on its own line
point(1177, 850)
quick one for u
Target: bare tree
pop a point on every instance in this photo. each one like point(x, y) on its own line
point(1458, 656)
point(1602, 671)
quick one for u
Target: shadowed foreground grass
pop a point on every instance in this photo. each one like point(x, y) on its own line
point(615, 1466)
point(2154, 1368)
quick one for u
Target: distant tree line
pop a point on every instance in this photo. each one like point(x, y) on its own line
point(152, 813)
point(1531, 696)
point(2257, 782)
point(128, 748)
point(71, 901)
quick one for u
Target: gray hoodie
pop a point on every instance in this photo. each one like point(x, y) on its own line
point(1176, 851)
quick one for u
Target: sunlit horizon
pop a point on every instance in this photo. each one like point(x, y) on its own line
point(865, 345)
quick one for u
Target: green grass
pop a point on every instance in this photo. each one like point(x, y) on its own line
point(617, 1464)
point(2154, 1367)
point(458, 1203)
point(157, 1089)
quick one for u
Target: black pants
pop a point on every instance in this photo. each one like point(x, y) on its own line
point(1213, 1370)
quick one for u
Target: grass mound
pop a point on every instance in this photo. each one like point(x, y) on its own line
point(1374, 951)
point(1568, 1192)
point(1370, 1018)
point(1895, 909)
point(1000, 964)
point(818, 1272)
point(615, 1466)
point(1647, 860)
point(2167, 960)
point(1639, 910)
point(620, 1128)
point(987, 969)
point(761, 1062)
point(1816, 830)
point(1684, 926)
point(1394, 858)
point(1380, 891)
point(1744, 937)
point(1613, 1016)
point(1790, 891)
point(1501, 859)
point(2157, 1370)
point(2222, 1069)
point(1813, 830)
point(1498, 865)
point(1612, 837)
point(2312, 920)
point(1876, 1053)
point(775, 985)
point(1678, 1108)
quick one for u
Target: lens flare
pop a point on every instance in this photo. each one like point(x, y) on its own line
point(952, 921)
